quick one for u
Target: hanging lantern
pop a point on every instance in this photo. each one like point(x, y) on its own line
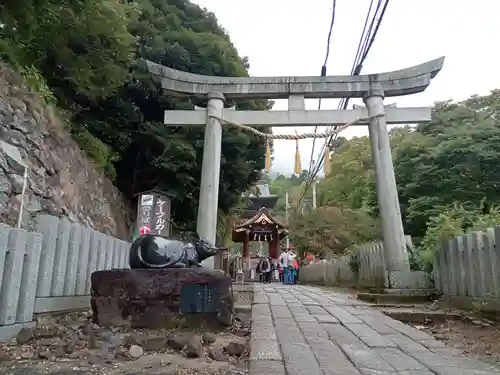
point(326, 165)
point(298, 165)
point(268, 155)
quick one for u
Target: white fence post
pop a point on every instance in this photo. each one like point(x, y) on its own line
point(60, 258)
point(70, 275)
point(46, 225)
point(12, 276)
point(83, 261)
point(494, 235)
point(29, 279)
point(462, 264)
point(49, 270)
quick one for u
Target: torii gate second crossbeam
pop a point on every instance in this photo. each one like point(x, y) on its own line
point(372, 88)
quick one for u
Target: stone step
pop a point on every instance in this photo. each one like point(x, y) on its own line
point(411, 315)
point(402, 291)
point(410, 296)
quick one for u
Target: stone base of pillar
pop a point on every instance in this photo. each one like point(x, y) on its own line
point(401, 287)
point(398, 296)
point(408, 280)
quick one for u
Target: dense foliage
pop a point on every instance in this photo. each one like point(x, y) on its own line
point(330, 228)
point(86, 56)
point(447, 172)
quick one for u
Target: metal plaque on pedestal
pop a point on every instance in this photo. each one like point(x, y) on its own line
point(199, 298)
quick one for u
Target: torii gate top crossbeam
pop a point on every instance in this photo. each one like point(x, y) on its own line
point(401, 82)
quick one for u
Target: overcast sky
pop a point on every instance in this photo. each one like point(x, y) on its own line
point(286, 37)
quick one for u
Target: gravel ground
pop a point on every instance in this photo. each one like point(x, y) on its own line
point(474, 337)
point(72, 344)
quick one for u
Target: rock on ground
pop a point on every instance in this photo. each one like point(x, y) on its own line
point(73, 344)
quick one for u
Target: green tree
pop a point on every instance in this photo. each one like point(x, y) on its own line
point(91, 54)
point(452, 159)
point(350, 174)
point(332, 230)
point(152, 154)
point(445, 169)
point(83, 48)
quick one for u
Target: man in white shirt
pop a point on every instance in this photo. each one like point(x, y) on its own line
point(285, 261)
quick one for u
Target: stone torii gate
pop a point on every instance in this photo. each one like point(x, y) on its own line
point(373, 88)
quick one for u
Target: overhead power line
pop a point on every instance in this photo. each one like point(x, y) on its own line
point(323, 73)
point(365, 43)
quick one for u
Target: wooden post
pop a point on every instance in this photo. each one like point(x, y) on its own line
point(273, 247)
point(246, 255)
point(246, 247)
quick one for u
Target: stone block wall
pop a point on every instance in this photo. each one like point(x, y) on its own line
point(48, 270)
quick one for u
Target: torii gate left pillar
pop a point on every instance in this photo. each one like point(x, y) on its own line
point(206, 225)
point(372, 88)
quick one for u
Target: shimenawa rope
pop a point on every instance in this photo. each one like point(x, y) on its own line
point(295, 137)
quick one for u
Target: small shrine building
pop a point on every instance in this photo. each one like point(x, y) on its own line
point(260, 227)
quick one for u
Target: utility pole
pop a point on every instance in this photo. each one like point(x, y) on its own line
point(287, 239)
point(314, 194)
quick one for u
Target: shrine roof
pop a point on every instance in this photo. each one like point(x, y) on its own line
point(262, 217)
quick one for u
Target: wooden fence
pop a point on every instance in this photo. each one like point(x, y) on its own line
point(49, 270)
point(467, 269)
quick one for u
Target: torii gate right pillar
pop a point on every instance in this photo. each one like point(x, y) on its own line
point(396, 254)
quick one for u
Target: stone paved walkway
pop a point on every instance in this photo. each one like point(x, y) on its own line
point(302, 330)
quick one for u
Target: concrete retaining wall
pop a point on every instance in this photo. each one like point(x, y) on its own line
point(467, 270)
point(49, 270)
point(334, 272)
point(371, 271)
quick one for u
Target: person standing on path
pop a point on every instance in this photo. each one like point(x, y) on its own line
point(266, 269)
point(285, 262)
point(258, 269)
point(281, 264)
point(296, 268)
point(280, 272)
point(271, 272)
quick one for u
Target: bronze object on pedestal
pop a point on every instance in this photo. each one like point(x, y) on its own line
point(159, 252)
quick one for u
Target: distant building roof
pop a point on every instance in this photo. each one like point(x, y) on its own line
point(263, 189)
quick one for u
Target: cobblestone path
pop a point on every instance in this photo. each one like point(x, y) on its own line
point(302, 330)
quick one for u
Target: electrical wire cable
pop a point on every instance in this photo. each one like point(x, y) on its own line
point(365, 43)
point(343, 103)
point(323, 73)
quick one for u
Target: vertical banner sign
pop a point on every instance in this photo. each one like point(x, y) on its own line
point(161, 212)
point(153, 214)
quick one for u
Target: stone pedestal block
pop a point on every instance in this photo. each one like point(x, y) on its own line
point(408, 280)
point(167, 298)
